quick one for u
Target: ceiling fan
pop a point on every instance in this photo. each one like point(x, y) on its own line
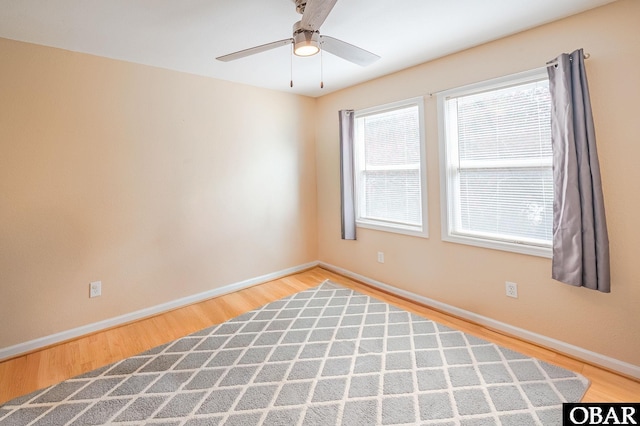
point(307, 40)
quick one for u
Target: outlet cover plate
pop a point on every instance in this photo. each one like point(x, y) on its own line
point(95, 289)
point(511, 289)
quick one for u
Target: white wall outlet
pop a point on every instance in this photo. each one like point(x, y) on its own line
point(511, 289)
point(95, 289)
point(380, 257)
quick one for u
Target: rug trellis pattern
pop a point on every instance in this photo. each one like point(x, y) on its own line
point(325, 356)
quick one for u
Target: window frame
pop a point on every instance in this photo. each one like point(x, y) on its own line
point(448, 175)
point(421, 230)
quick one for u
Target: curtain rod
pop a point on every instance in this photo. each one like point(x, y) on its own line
point(553, 62)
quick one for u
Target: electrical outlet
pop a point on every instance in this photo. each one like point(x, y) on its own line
point(380, 257)
point(511, 289)
point(95, 289)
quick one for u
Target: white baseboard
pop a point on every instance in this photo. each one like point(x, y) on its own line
point(42, 342)
point(565, 348)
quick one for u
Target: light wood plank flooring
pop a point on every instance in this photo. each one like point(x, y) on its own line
point(26, 373)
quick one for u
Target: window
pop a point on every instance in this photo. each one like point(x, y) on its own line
point(390, 168)
point(496, 164)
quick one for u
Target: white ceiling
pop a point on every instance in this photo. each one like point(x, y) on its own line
point(186, 35)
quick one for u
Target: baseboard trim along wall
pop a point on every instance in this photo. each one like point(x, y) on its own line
point(565, 348)
point(32, 345)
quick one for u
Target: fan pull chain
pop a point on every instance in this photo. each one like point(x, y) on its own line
point(321, 71)
point(291, 64)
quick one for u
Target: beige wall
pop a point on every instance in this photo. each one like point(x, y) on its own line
point(473, 278)
point(160, 184)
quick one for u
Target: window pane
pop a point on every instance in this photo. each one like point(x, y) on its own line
point(392, 138)
point(393, 196)
point(512, 203)
point(509, 123)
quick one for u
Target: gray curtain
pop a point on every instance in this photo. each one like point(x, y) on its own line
point(580, 239)
point(347, 183)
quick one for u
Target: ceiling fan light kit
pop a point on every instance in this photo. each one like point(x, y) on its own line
point(305, 43)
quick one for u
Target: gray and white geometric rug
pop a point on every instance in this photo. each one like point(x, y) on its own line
point(325, 356)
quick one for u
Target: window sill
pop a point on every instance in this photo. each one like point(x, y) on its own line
point(499, 245)
point(395, 229)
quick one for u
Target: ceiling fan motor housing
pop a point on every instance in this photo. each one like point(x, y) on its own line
point(300, 5)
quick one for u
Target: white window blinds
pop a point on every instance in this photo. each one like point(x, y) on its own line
point(389, 166)
point(498, 145)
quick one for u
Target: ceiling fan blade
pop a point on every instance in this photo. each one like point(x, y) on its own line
point(347, 51)
point(253, 50)
point(315, 13)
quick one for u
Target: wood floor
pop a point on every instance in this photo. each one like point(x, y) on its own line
point(24, 374)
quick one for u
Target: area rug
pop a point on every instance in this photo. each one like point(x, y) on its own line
point(324, 356)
